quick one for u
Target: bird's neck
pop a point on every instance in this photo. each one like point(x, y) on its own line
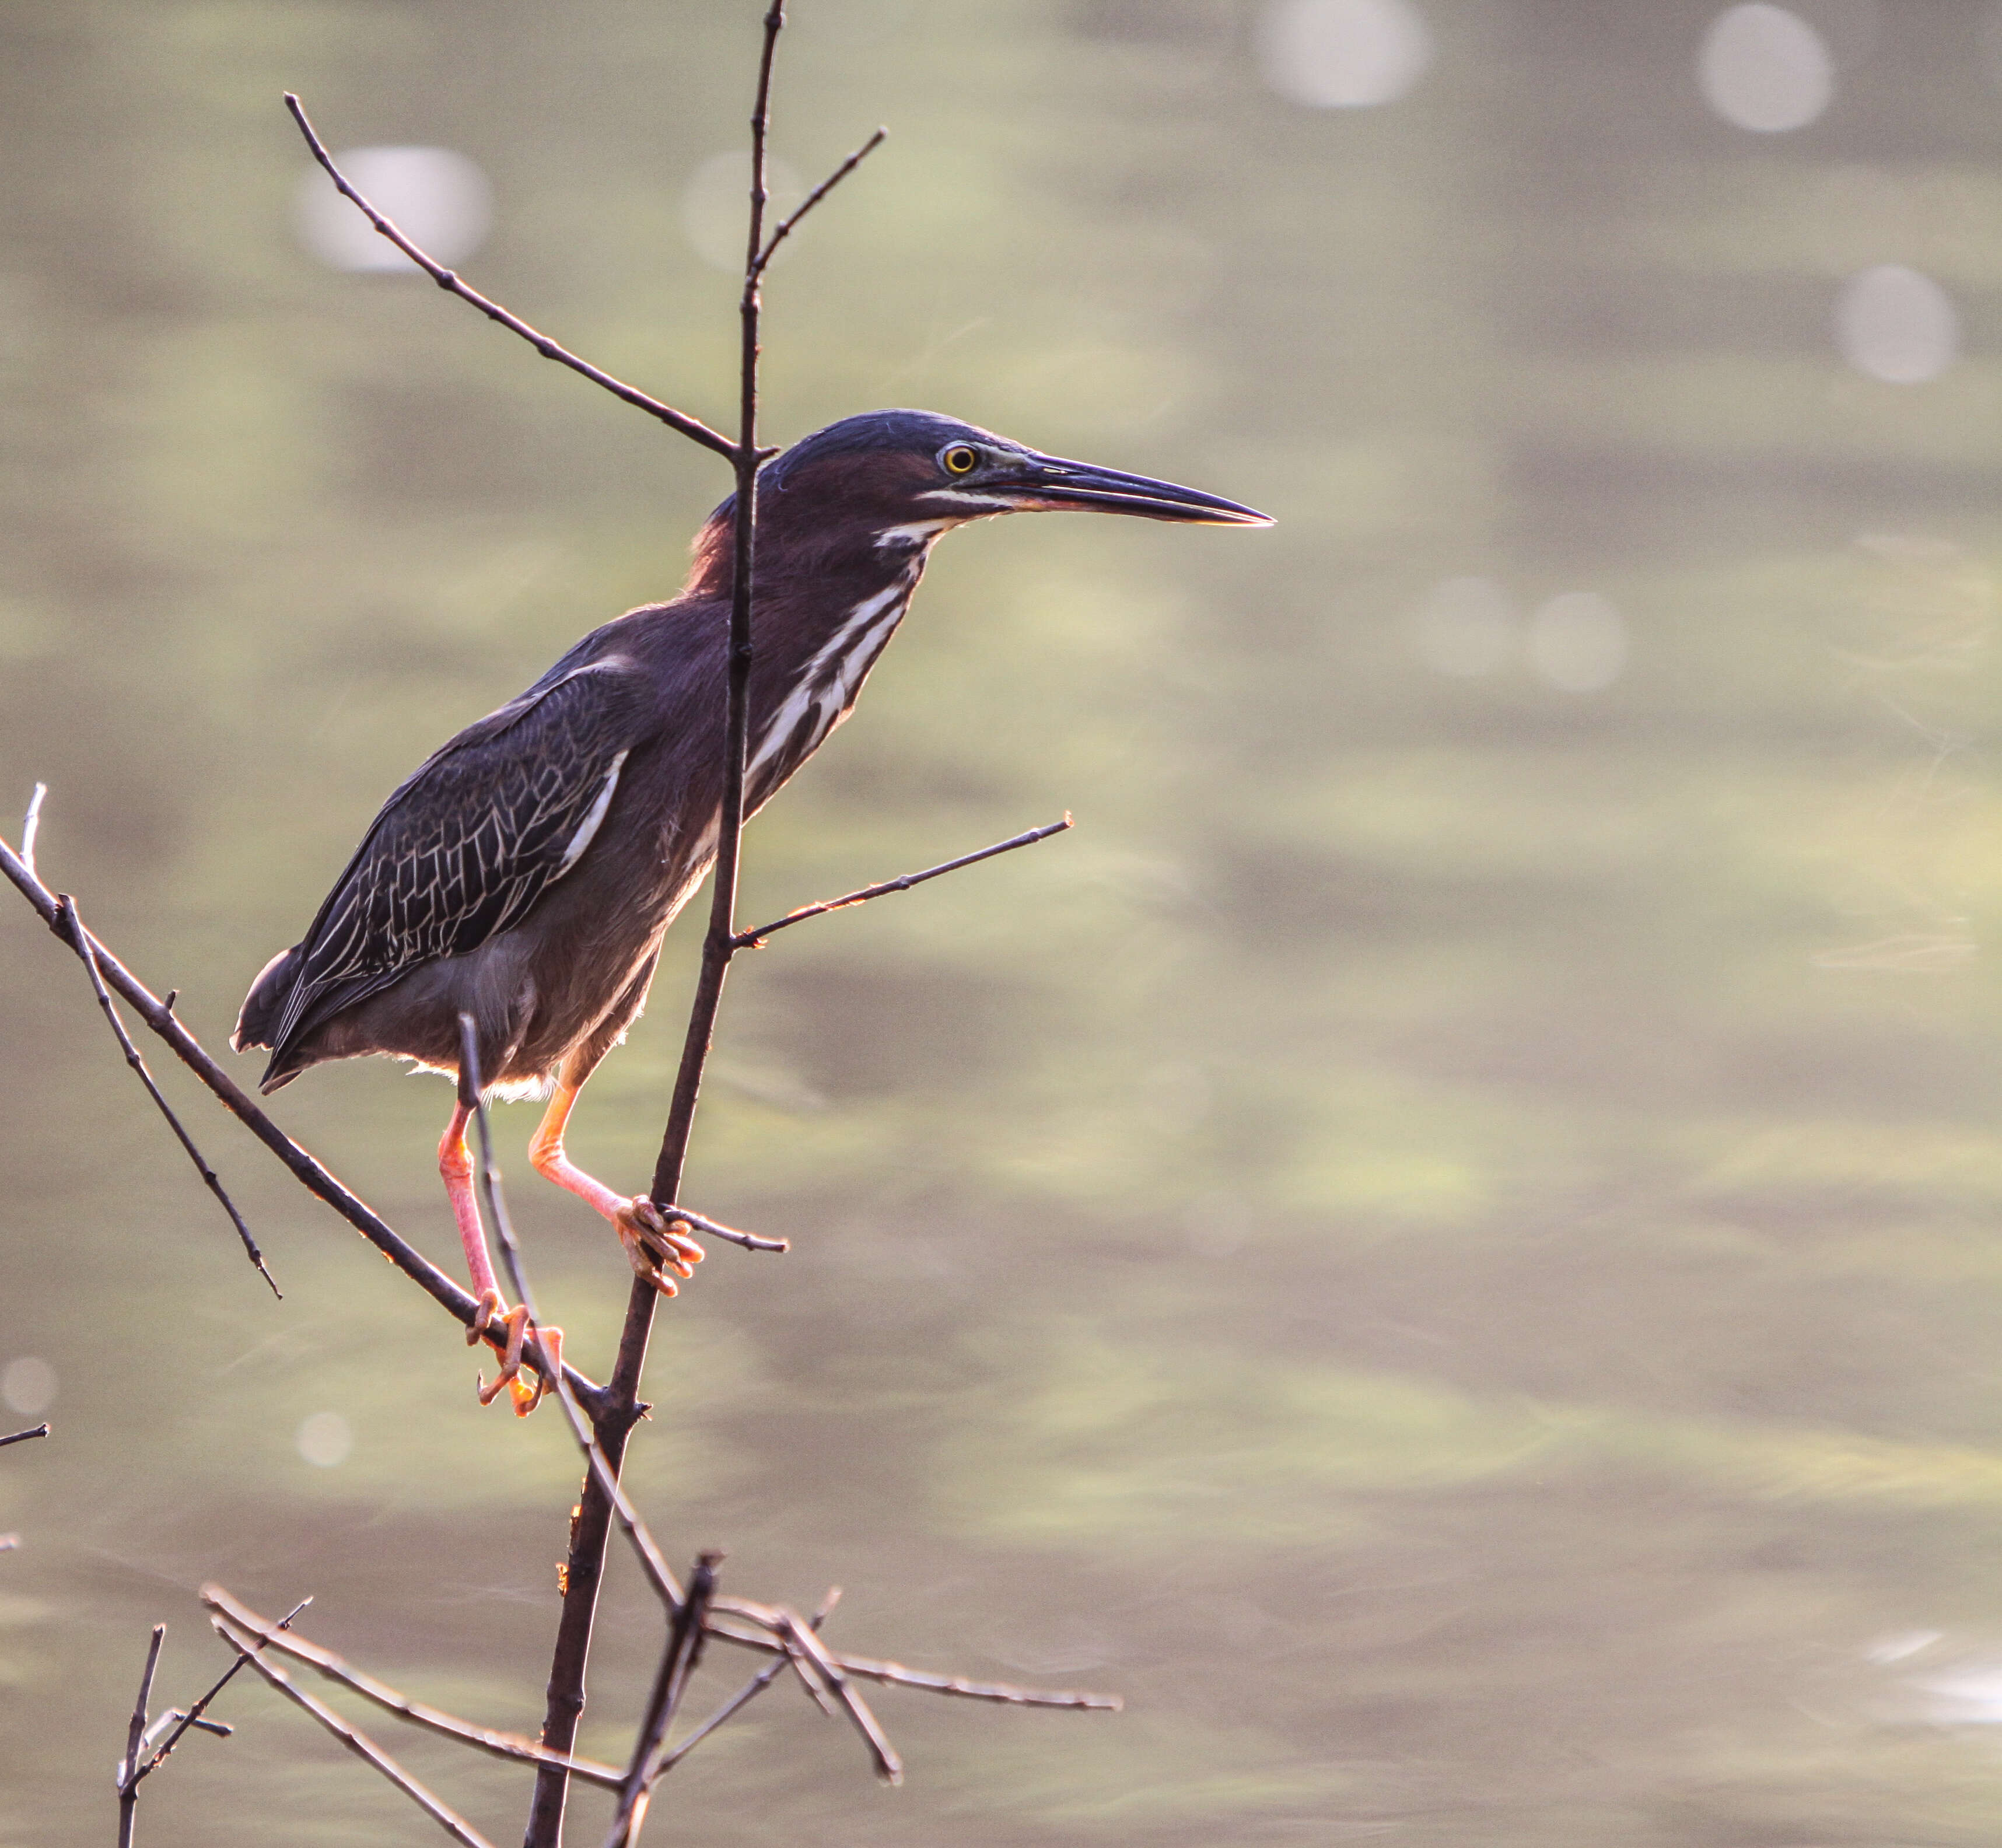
point(825, 610)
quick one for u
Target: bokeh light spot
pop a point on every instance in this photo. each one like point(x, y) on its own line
point(439, 200)
point(1578, 642)
point(1342, 53)
point(28, 1385)
point(1466, 627)
point(1765, 69)
point(325, 1440)
point(1897, 324)
point(717, 198)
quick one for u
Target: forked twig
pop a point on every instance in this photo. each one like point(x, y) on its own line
point(693, 428)
point(128, 1771)
point(192, 1716)
point(482, 1738)
point(751, 940)
point(80, 941)
point(741, 1698)
point(359, 1743)
point(784, 229)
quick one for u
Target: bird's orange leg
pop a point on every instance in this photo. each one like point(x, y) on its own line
point(654, 1245)
point(455, 1165)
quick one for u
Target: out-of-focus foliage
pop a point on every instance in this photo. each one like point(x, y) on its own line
point(1442, 1242)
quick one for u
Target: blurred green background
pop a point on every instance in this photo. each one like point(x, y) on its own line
point(1442, 1243)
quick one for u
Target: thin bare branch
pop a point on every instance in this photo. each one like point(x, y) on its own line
point(192, 1716)
point(599, 1469)
point(784, 229)
point(678, 1661)
point(510, 1746)
point(751, 1241)
point(304, 1168)
point(742, 1698)
point(31, 824)
point(80, 941)
point(767, 1638)
point(751, 940)
point(693, 428)
point(21, 1437)
point(128, 1772)
point(360, 1744)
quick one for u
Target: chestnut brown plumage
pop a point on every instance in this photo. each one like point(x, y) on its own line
point(525, 874)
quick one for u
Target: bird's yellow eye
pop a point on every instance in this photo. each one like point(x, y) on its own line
point(960, 459)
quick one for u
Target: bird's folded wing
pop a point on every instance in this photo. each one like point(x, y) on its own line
point(463, 848)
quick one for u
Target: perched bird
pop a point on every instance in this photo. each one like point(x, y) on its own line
point(526, 873)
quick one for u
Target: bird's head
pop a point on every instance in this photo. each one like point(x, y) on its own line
point(895, 479)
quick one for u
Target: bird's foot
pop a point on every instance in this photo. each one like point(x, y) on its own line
point(655, 1243)
point(512, 1328)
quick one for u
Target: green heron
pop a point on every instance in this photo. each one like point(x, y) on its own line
point(525, 874)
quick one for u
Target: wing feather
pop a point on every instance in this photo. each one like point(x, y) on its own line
point(466, 845)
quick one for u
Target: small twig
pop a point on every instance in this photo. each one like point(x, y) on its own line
point(752, 939)
point(692, 428)
point(678, 1661)
point(80, 941)
point(193, 1715)
point(742, 1698)
point(31, 824)
point(769, 1638)
point(304, 1168)
point(9, 1541)
point(360, 1744)
point(652, 1561)
point(21, 1437)
point(784, 229)
point(128, 1772)
point(751, 1241)
point(483, 1738)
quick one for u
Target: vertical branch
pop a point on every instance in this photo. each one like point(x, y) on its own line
point(128, 1772)
point(584, 1569)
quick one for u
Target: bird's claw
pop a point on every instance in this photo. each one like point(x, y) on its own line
point(512, 1327)
point(656, 1243)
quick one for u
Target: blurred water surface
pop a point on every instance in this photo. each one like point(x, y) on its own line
point(1442, 1243)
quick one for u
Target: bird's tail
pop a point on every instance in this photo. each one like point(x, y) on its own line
point(265, 1005)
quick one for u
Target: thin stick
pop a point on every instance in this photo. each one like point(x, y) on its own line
point(21, 1437)
point(785, 226)
point(160, 1019)
point(742, 1698)
point(31, 824)
point(128, 1773)
point(768, 1639)
point(751, 1241)
point(692, 428)
point(584, 1568)
point(677, 1662)
point(193, 1715)
point(751, 940)
point(360, 1744)
point(652, 1562)
point(483, 1738)
point(80, 941)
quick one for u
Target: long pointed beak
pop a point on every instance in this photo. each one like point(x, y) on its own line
point(1049, 484)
